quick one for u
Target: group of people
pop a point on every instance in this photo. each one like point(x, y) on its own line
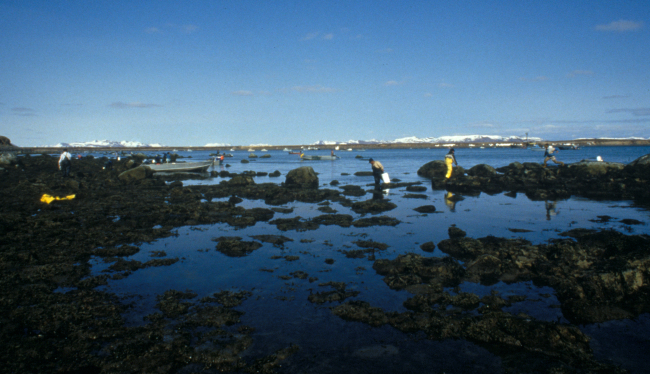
point(65, 162)
point(450, 161)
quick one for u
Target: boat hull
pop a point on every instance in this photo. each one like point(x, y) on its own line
point(182, 166)
point(314, 158)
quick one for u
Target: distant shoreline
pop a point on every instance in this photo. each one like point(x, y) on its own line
point(342, 147)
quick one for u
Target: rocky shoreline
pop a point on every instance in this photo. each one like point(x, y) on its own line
point(46, 248)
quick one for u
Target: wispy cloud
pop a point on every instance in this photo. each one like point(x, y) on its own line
point(153, 30)
point(634, 111)
point(616, 97)
point(445, 85)
point(309, 36)
point(620, 26)
point(242, 93)
point(539, 78)
point(428, 94)
point(317, 35)
point(385, 50)
point(575, 73)
point(313, 89)
point(394, 83)
point(136, 104)
point(482, 125)
point(22, 111)
point(184, 29)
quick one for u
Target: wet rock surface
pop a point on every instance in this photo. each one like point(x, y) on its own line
point(597, 275)
point(587, 178)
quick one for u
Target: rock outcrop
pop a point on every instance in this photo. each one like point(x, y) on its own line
point(303, 177)
point(586, 178)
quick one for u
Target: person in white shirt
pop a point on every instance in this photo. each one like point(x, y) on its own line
point(548, 155)
point(65, 162)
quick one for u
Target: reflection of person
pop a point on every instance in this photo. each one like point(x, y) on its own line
point(450, 158)
point(451, 203)
point(65, 162)
point(377, 170)
point(548, 155)
point(550, 209)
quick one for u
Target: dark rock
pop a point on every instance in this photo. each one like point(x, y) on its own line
point(415, 188)
point(372, 206)
point(425, 209)
point(482, 170)
point(456, 233)
point(428, 247)
point(235, 247)
point(136, 174)
point(303, 177)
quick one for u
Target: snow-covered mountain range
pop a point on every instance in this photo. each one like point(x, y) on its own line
point(406, 140)
point(442, 139)
point(105, 144)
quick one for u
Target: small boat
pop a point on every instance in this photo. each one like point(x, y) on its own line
point(182, 166)
point(294, 153)
point(286, 150)
point(569, 147)
point(264, 150)
point(314, 158)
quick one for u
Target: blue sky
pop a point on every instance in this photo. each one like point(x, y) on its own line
point(296, 72)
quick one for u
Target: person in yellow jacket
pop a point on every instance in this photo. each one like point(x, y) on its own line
point(450, 158)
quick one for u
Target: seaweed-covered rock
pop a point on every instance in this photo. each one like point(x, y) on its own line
point(482, 170)
point(372, 206)
point(433, 169)
point(234, 247)
point(302, 177)
point(136, 174)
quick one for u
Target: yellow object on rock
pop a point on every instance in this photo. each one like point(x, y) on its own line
point(49, 198)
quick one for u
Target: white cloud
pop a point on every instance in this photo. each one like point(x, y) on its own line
point(188, 29)
point(136, 104)
point(393, 83)
point(242, 93)
point(185, 29)
point(310, 36)
point(428, 94)
point(312, 89)
point(445, 85)
point(620, 26)
point(329, 36)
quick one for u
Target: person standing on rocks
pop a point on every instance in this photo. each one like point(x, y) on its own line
point(65, 162)
point(377, 170)
point(450, 158)
point(548, 155)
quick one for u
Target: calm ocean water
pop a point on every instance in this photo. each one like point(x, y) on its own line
point(279, 309)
